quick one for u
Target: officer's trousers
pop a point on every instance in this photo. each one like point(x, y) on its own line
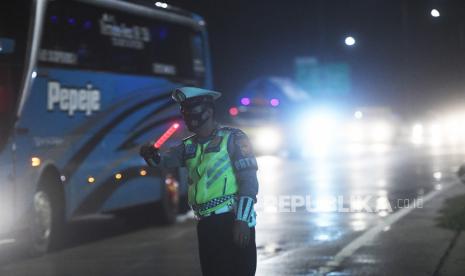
point(219, 256)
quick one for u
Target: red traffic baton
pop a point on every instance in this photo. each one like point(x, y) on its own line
point(166, 135)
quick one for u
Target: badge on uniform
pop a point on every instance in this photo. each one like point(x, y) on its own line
point(244, 146)
point(190, 151)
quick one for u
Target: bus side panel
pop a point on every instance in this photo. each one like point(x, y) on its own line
point(91, 145)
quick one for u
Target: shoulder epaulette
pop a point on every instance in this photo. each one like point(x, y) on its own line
point(231, 129)
point(188, 137)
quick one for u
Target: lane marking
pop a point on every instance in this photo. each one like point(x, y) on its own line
point(369, 235)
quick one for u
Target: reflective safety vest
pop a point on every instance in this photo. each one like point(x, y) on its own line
point(212, 182)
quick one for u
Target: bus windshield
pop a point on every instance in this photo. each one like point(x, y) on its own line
point(92, 38)
point(13, 42)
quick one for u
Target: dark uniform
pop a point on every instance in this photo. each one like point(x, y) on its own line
point(218, 253)
point(223, 186)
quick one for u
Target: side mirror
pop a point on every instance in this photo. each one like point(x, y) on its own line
point(461, 173)
point(7, 45)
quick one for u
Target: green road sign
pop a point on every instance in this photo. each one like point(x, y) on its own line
point(323, 80)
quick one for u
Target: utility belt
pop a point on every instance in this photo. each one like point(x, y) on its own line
point(201, 210)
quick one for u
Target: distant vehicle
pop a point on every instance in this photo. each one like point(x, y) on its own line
point(371, 125)
point(82, 85)
point(265, 111)
point(438, 129)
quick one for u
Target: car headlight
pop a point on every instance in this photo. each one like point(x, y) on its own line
point(436, 134)
point(417, 134)
point(382, 132)
point(355, 133)
point(267, 140)
point(316, 132)
point(319, 129)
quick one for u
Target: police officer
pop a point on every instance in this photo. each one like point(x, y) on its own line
point(222, 176)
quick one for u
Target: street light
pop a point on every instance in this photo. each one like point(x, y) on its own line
point(435, 13)
point(350, 41)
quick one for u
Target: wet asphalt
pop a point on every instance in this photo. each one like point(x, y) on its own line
point(309, 211)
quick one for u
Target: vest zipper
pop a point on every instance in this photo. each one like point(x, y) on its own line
point(201, 152)
point(197, 170)
point(224, 187)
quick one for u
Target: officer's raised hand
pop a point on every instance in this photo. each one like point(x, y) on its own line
point(241, 233)
point(150, 154)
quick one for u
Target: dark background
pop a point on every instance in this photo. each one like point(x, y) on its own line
point(404, 58)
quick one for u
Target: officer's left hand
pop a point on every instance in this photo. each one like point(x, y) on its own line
point(241, 233)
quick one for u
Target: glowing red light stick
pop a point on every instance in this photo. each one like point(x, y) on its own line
point(166, 135)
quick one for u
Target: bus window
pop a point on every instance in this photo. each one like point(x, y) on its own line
point(5, 101)
point(78, 35)
point(198, 57)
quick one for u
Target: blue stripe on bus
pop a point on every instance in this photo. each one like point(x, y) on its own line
point(82, 153)
point(94, 201)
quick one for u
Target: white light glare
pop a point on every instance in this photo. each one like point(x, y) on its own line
point(417, 134)
point(319, 130)
point(350, 41)
point(267, 140)
point(436, 134)
point(34, 74)
point(358, 114)
point(453, 129)
point(435, 13)
point(382, 132)
point(161, 5)
point(355, 133)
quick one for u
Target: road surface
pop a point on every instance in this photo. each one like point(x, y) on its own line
point(342, 202)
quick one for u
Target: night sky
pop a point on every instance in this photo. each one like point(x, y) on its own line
point(404, 58)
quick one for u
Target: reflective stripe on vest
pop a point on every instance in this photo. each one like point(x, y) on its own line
point(211, 174)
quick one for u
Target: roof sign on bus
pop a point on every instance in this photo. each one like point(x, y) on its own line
point(72, 99)
point(123, 36)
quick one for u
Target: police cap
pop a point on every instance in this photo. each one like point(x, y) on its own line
point(194, 95)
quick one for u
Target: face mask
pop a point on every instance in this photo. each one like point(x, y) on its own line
point(195, 117)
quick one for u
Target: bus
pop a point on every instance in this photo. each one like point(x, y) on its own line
point(84, 83)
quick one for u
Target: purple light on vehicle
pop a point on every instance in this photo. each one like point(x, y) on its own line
point(274, 102)
point(163, 33)
point(245, 101)
point(54, 19)
point(87, 24)
point(71, 21)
